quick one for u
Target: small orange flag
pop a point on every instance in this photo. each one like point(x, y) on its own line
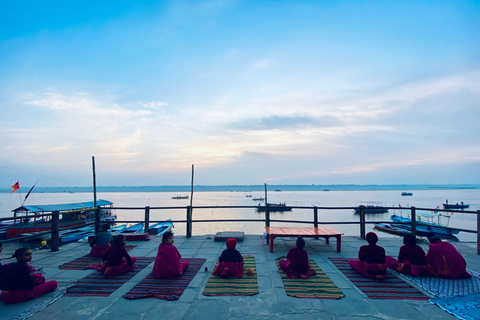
point(15, 187)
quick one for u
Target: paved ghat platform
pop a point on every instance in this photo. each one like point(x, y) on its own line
point(271, 302)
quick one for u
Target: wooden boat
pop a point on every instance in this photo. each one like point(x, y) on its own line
point(161, 227)
point(248, 195)
point(425, 227)
point(455, 206)
point(393, 229)
point(76, 234)
point(72, 215)
point(258, 199)
point(180, 197)
point(136, 228)
point(274, 207)
point(407, 194)
point(371, 207)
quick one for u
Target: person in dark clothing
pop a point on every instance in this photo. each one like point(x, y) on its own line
point(297, 265)
point(101, 242)
point(371, 259)
point(411, 259)
point(116, 261)
point(19, 284)
point(230, 262)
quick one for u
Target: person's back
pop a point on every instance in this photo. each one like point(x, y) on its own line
point(298, 260)
point(17, 276)
point(230, 261)
point(372, 253)
point(371, 259)
point(230, 255)
point(446, 260)
point(413, 253)
point(101, 239)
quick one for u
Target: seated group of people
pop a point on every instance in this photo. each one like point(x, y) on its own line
point(442, 259)
point(21, 282)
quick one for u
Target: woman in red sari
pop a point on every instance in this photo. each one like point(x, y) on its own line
point(296, 265)
point(411, 259)
point(167, 262)
point(371, 259)
point(446, 260)
point(21, 283)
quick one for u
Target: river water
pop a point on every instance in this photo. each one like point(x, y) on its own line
point(420, 199)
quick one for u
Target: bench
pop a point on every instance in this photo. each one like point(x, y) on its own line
point(324, 232)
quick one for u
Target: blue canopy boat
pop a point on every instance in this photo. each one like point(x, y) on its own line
point(161, 227)
point(425, 227)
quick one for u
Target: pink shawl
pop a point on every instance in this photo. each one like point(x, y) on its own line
point(167, 263)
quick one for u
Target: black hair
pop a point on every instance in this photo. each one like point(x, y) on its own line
point(166, 235)
point(19, 252)
point(409, 239)
point(300, 242)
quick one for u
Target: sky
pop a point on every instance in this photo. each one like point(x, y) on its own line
point(249, 92)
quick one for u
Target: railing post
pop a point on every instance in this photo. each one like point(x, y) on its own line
point(96, 219)
point(315, 218)
point(362, 222)
point(478, 232)
point(413, 218)
point(189, 221)
point(54, 226)
point(147, 218)
point(267, 219)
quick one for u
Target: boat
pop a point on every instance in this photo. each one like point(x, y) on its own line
point(393, 229)
point(180, 197)
point(248, 195)
point(425, 227)
point(371, 207)
point(161, 227)
point(457, 205)
point(258, 199)
point(72, 215)
point(117, 229)
point(76, 234)
point(136, 228)
point(407, 194)
point(274, 207)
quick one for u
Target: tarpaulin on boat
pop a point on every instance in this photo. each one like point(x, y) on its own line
point(62, 207)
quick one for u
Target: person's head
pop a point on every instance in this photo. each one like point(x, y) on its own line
point(23, 255)
point(409, 240)
point(168, 237)
point(103, 228)
point(300, 242)
point(1, 246)
point(432, 238)
point(231, 243)
point(120, 240)
point(372, 238)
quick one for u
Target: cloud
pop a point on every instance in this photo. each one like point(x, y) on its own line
point(283, 122)
point(263, 64)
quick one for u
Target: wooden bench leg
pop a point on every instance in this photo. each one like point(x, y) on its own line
point(327, 240)
point(271, 242)
point(339, 243)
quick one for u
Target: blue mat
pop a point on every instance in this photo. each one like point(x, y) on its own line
point(467, 307)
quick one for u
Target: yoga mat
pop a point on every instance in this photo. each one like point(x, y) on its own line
point(96, 284)
point(467, 307)
point(166, 289)
point(83, 263)
point(318, 286)
point(246, 286)
point(391, 288)
point(448, 288)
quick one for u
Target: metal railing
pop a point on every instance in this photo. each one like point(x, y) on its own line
point(189, 221)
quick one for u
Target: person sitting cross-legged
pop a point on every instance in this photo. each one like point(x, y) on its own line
point(296, 265)
point(371, 259)
point(230, 262)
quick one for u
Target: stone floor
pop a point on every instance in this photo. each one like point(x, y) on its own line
point(271, 302)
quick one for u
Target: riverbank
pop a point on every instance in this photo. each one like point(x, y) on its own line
point(271, 302)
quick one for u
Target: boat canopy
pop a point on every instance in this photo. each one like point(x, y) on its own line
point(62, 207)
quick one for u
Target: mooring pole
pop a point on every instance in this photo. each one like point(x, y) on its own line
point(97, 212)
point(362, 222)
point(55, 217)
point(413, 218)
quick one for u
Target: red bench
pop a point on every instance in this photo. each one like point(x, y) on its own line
point(324, 232)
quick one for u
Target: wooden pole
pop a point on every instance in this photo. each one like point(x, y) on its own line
point(191, 189)
point(147, 218)
point(362, 222)
point(97, 212)
point(413, 218)
point(478, 232)
point(54, 223)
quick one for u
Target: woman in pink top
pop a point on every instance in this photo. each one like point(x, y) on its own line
point(167, 263)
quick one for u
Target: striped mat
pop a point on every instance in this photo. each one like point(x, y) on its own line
point(83, 263)
point(95, 284)
point(246, 286)
point(318, 286)
point(166, 289)
point(391, 288)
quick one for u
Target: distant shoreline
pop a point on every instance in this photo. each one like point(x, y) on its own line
point(246, 188)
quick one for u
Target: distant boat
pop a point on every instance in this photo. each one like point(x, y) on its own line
point(248, 195)
point(258, 199)
point(274, 207)
point(326, 190)
point(180, 197)
point(407, 194)
point(455, 206)
point(278, 190)
point(371, 207)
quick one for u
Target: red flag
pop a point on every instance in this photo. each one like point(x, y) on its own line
point(29, 192)
point(15, 187)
